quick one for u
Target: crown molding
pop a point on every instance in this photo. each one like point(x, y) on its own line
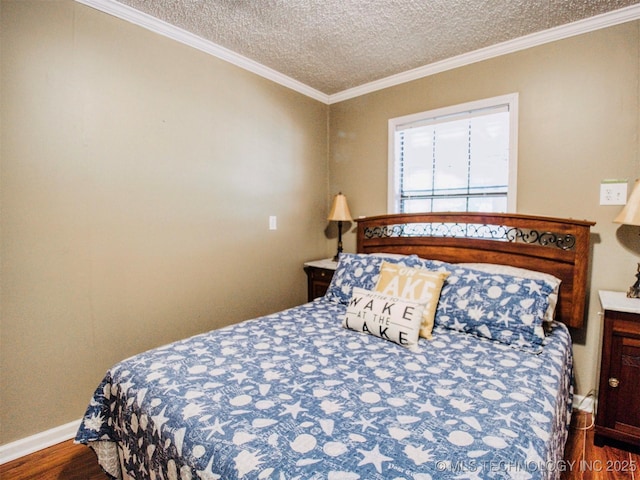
point(144, 20)
point(604, 20)
point(156, 25)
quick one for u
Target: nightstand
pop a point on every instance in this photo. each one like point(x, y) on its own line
point(618, 415)
point(319, 275)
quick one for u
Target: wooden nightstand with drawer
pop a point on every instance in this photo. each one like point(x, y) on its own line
point(618, 415)
point(319, 275)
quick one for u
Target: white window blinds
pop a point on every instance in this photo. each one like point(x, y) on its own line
point(454, 160)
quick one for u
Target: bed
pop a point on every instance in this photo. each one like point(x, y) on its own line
point(440, 350)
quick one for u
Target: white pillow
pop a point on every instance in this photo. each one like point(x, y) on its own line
point(391, 318)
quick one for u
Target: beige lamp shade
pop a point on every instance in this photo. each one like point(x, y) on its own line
point(340, 210)
point(630, 214)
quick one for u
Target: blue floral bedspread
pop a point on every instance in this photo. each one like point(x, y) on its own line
point(295, 396)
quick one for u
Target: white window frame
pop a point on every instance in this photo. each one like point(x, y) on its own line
point(509, 100)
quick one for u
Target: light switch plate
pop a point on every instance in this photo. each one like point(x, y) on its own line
point(613, 192)
point(273, 222)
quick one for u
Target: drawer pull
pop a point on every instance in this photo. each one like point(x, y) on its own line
point(614, 382)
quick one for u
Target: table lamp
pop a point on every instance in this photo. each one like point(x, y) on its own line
point(339, 213)
point(630, 215)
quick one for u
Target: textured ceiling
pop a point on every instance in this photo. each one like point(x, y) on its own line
point(335, 45)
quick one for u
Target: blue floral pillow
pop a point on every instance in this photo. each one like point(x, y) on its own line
point(361, 270)
point(501, 307)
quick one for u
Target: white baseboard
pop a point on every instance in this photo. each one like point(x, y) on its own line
point(584, 403)
point(26, 446)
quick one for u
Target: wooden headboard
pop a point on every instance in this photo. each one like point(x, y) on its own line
point(557, 246)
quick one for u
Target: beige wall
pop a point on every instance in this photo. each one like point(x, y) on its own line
point(578, 124)
point(137, 178)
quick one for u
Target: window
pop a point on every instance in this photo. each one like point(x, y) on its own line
point(460, 158)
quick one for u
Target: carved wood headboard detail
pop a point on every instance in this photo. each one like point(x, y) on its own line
point(557, 246)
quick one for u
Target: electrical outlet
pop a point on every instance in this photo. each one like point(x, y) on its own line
point(613, 192)
point(273, 222)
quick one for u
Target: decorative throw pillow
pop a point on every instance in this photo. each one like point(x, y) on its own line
point(391, 318)
point(361, 270)
point(416, 284)
point(500, 307)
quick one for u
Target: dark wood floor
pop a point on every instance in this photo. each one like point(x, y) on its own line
point(64, 461)
point(583, 460)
